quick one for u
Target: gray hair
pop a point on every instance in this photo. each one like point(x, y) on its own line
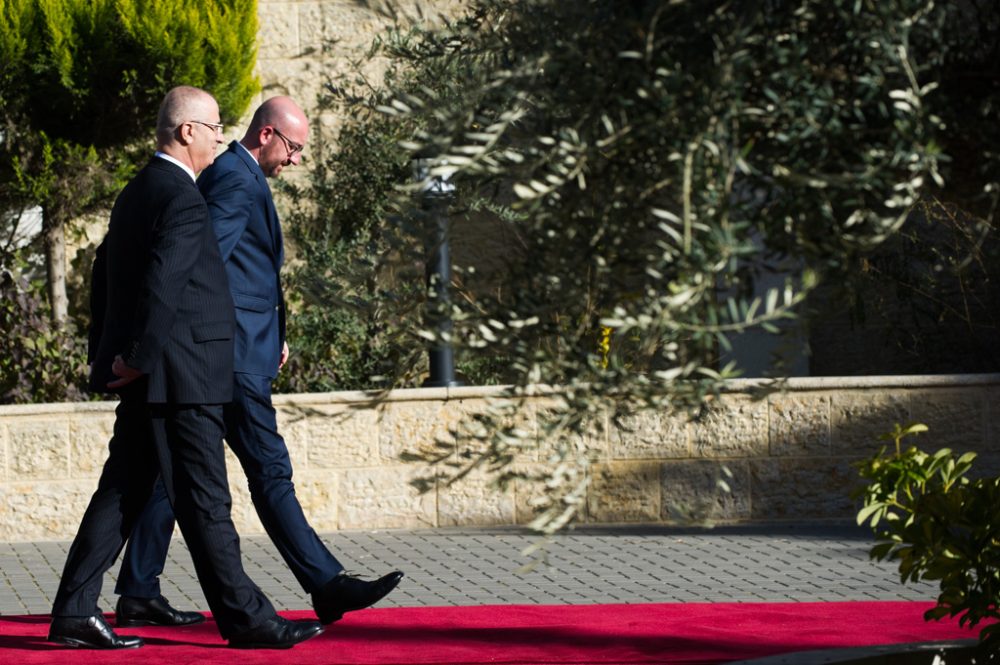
point(180, 105)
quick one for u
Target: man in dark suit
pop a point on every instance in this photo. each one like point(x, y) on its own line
point(249, 236)
point(165, 345)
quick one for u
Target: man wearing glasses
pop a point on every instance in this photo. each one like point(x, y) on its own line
point(162, 339)
point(250, 240)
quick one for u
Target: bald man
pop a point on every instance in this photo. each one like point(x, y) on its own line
point(250, 241)
point(164, 327)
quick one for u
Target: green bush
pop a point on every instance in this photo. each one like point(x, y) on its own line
point(80, 85)
point(38, 362)
point(940, 525)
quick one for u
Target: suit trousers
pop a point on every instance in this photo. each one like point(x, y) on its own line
point(124, 488)
point(194, 475)
point(252, 433)
point(183, 443)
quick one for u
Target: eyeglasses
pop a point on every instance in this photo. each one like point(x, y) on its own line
point(291, 146)
point(219, 127)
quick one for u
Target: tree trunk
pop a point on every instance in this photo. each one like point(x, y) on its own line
point(55, 264)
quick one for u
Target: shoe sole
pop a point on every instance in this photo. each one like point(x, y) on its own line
point(327, 619)
point(261, 645)
point(138, 623)
point(270, 645)
point(80, 644)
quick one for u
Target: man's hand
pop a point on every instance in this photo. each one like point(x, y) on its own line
point(284, 355)
point(127, 374)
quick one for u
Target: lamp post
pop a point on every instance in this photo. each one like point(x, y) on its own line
point(436, 195)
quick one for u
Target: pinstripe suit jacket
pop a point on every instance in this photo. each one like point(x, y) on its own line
point(160, 294)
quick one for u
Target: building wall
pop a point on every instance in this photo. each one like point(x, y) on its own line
point(790, 456)
point(304, 45)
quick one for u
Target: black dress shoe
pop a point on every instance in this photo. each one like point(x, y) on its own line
point(132, 611)
point(345, 593)
point(276, 633)
point(89, 633)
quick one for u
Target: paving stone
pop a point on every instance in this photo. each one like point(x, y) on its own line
point(593, 564)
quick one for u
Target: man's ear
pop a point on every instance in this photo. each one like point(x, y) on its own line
point(265, 135)
point(185, 133)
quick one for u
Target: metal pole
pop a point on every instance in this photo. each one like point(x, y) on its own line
point(435, 199)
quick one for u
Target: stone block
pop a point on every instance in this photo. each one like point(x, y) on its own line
point(956, 419)
point(734, 426)
point(89, 436)
point(301, 79)
point(649, 435)
point(624, 492)
point(475, 501)
point(317, 492)
point(326, 127)
point(277, 31)
point(860, 417)
point(557, 442)
point(799, 424)
point(243, 513)
point(530, 495)
point(510, 426)
point(39, 449)
point(340, 26)
point(4, 444)
point(233, 466)
point(416, 427)
point(803, 488)
point(527, 495)
point(691, 490)
point(383, 498)
point(332, 438)
point(429, 11)
point(43, 510)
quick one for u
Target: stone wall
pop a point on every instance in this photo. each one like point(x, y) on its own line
point(305, 44)
point(790, 456)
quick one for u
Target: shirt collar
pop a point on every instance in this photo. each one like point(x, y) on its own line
point(247, 151)
point(174, 160)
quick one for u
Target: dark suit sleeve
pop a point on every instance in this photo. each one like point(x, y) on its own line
point(229, 196)
point(175, 249)
point(98, 299)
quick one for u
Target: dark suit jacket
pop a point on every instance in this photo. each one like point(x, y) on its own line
point(166, 304)
point(249, 235)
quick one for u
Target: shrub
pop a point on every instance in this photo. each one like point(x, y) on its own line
point(939, 524)
point(38, 362)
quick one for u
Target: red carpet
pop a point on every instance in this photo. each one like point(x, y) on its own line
point(687, 633)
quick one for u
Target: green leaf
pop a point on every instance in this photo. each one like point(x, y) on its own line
point(869, 511)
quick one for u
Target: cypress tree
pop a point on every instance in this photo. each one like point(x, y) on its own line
point(80, 84)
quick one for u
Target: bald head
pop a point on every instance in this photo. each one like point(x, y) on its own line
point(277, 133)
point(188, 127)
point(182, 104)
point(281, 112)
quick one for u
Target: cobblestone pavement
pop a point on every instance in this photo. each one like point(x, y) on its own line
point(614, 564)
